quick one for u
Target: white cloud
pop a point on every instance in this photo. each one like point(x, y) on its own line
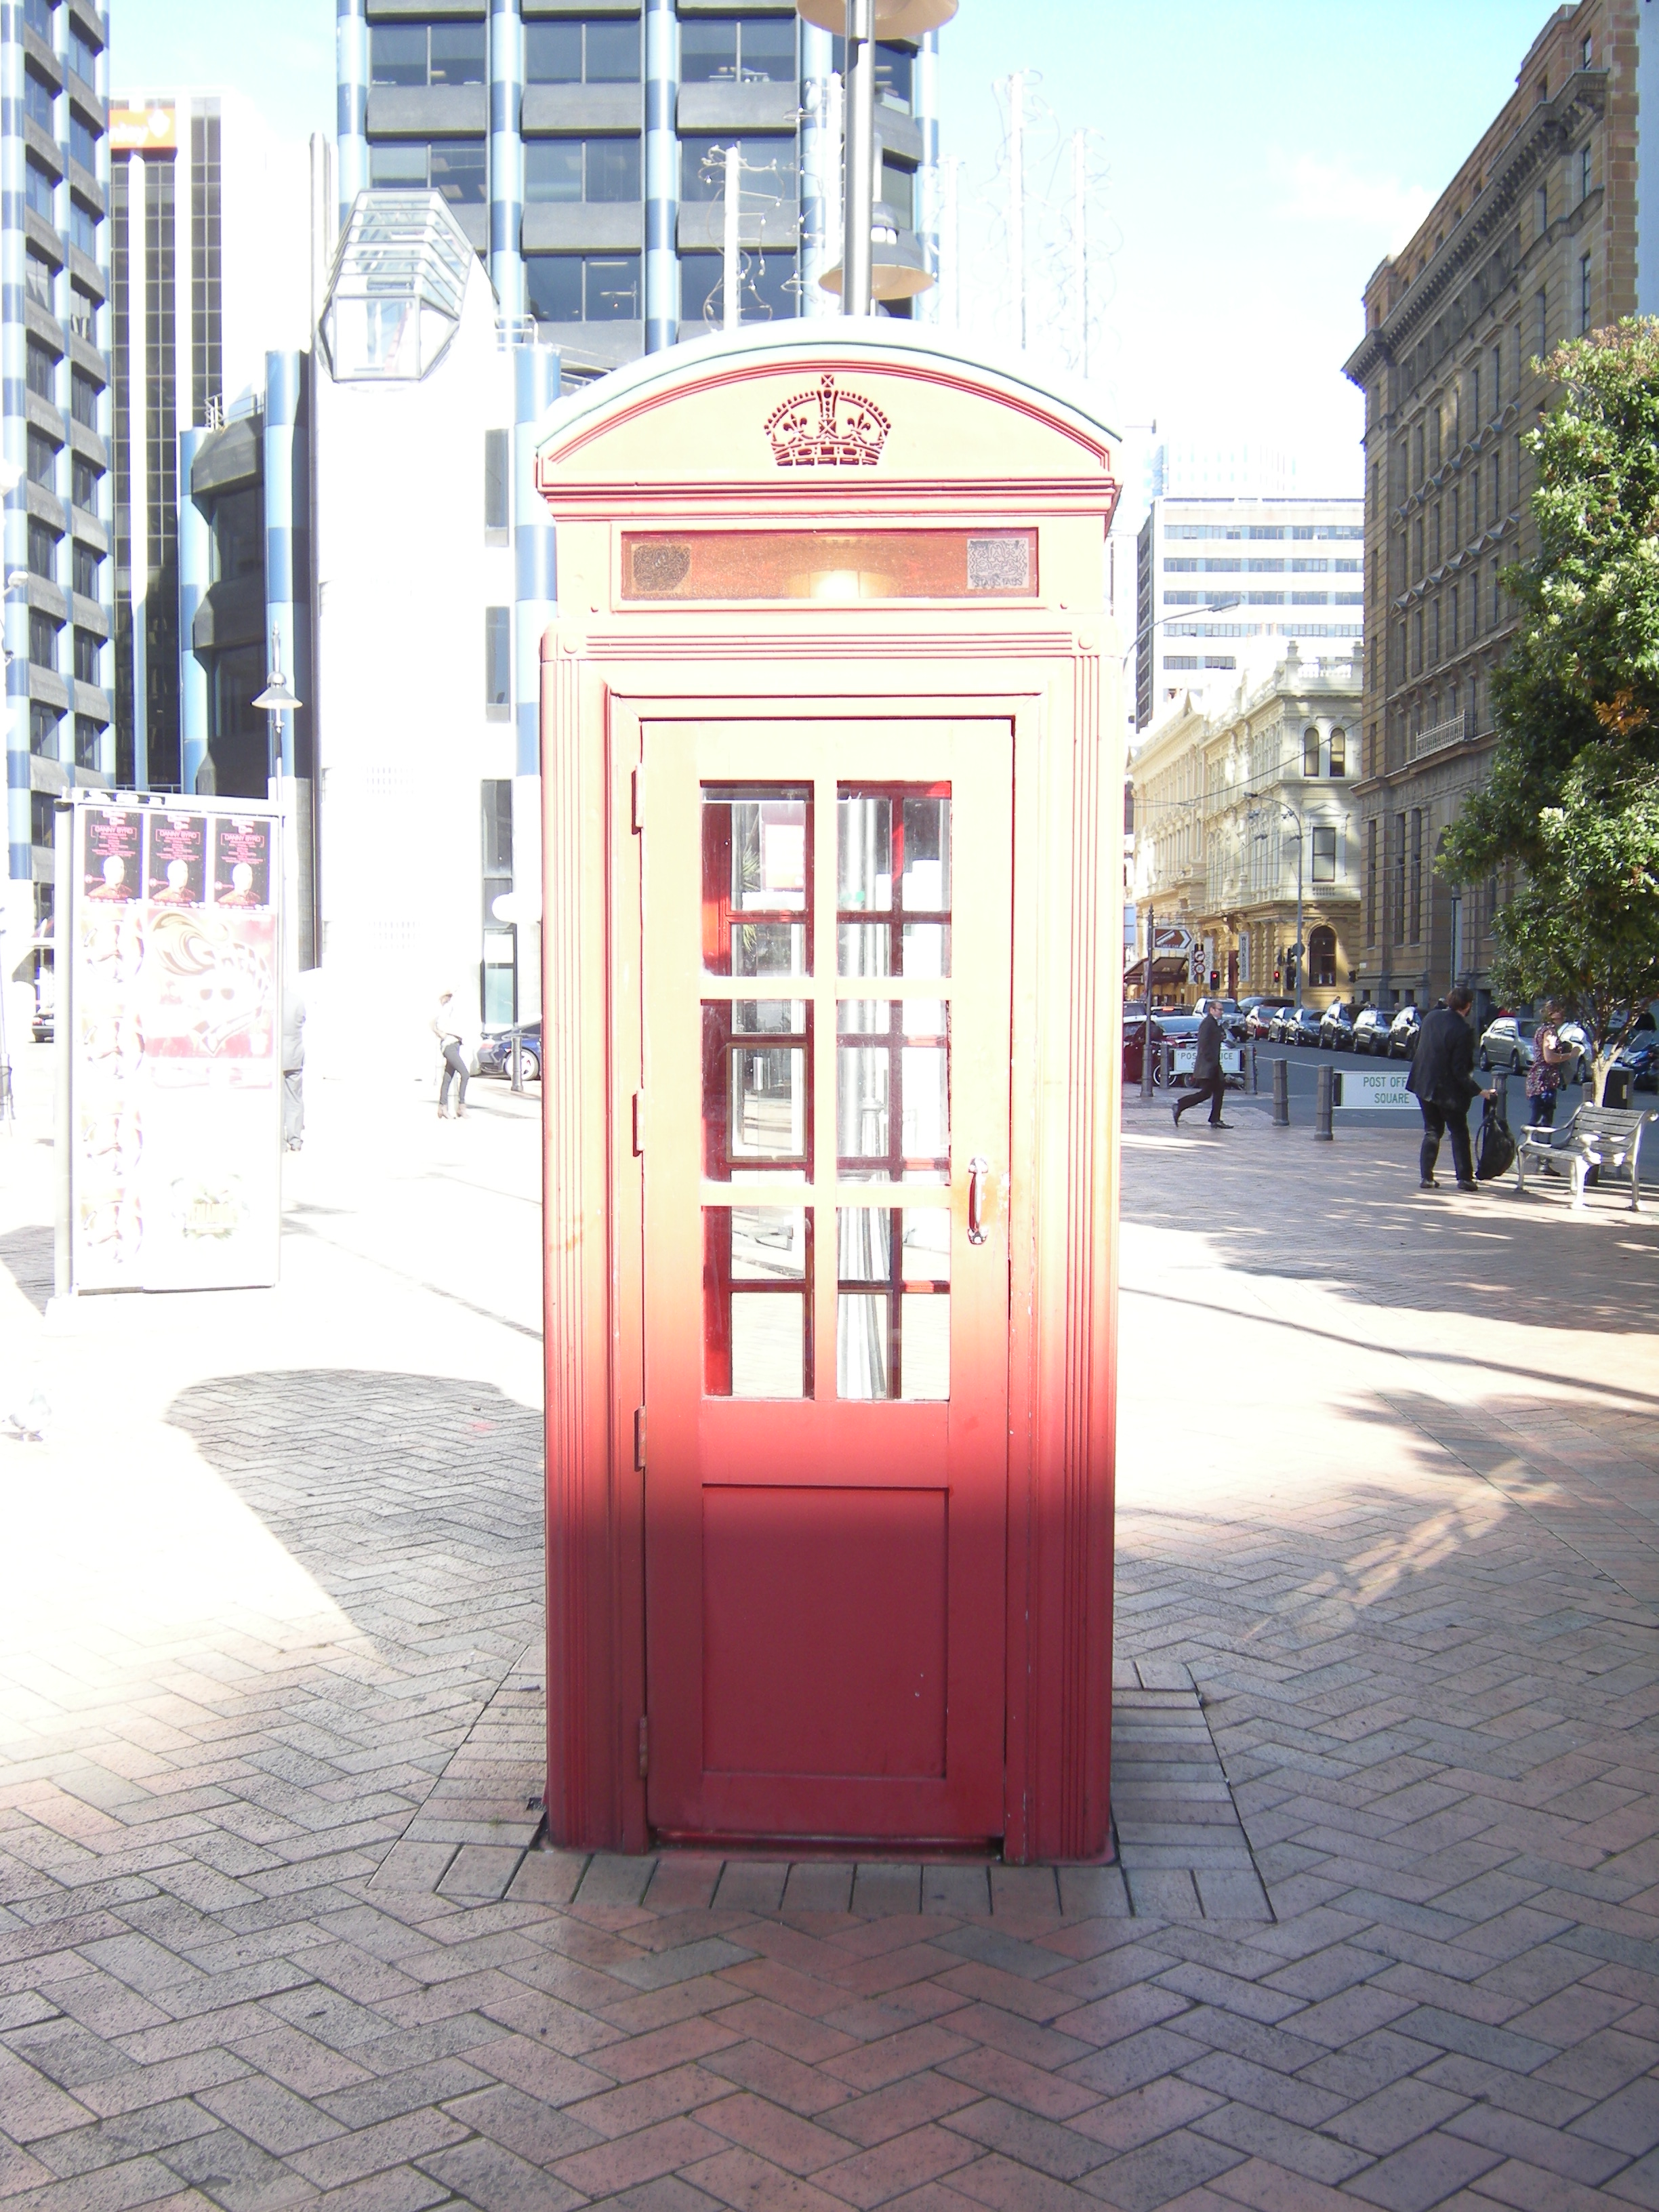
point(1325, 191)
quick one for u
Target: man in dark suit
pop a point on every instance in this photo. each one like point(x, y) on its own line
point(1444, 1083)
point(1208, 1081)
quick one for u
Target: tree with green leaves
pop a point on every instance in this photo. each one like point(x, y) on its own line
point(1571, 805)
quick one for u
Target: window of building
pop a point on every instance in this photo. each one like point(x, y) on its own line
point(87, 569)
point(898, 190)
point(1321, 950)
point(495, 479)
point(1541, 309)
point(84, 392)
point(239, 734)
point(1475, 416)
point(769, 172)
point(88, 742)
point(770, 288)
point(1497, 598)
point(83, 228)
point(1416, 909)
point(43, 550)
point(82, 56)
point(42, 461)
point(576, 288)
point(1434, 633)
point(82, 141)
point(1497, 489)
point(207, 252)
point(1583, 294)
point(1371, 883)
point(40, 102)
point(43, 639)
point(236, 535)
point(1339, 752)
point(1323, 841)
point(1399, 872)
point(1586, 170)
point(87, 648)
point(1422, 468)
point(498, 657)
point(1540, 207)
point(83, 315)
point(43, 738)
point(41, 370)
point(42, 815)
point(1420, 563)
point(426, 53)
point(581, 169)
point(39, 190)
point(1451, 620)
point(1417, 642)
point(84, 476)
point(738, 50)
point(458, 168)
point(41, 17)
point(1434, 535)
point(38, 277)
point(895, 68)
point(1310, 752)
point(583, 51)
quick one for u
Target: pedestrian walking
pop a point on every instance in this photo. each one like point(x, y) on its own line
point(1208, 1081)
point(1444, 1083)
point(1550, 1054)
point(446, 1028)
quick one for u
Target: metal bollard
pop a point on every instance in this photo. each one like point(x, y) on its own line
point(1326, 1086)
point(1255, 1081)
point(517, 1060)
point(1281, 1094)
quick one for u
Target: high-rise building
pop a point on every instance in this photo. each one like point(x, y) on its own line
point(210, 222)
point(580, 149)
point(1534, 240)
point(1272, 569)
point(54, 163)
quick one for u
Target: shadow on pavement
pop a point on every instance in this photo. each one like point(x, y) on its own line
point(27, 1256)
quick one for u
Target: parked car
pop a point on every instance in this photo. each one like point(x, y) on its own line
point(1575, 1033)
point(1403, 1032)
point(1301, 1025)
point(1507, 1043)
point(1336, 1026)
point(495, 1053)
point(1259, 1015)
point(1640, 1054)
point(1370, 1029)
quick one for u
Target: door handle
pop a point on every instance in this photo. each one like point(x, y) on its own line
point(978, 1168)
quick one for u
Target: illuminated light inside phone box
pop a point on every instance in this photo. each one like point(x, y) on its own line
point(838, 566)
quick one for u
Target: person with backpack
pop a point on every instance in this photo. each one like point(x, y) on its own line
point(1444, 1085)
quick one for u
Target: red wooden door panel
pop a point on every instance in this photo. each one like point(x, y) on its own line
point(826, 995)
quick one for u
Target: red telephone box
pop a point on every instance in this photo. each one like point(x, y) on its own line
point(833, 949)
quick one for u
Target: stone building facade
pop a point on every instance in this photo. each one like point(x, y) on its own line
point(1226, 784)
point(1533, 241)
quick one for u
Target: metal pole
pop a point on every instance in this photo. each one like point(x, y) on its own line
point(517, 1058)
point(1301, 942)
point(1146, 1004)
point(1255, 1078)
point(1281, 1094)
point(729, 241)
point(1324, 1091)
point(1017, 203)
point(1080, 245)
point(858, 195)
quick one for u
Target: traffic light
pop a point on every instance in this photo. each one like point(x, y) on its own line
point(1215, 979)
point(1277, 975)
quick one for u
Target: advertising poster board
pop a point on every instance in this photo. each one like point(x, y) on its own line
point(172, 1044)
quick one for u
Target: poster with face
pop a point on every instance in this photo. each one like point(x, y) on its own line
point(110, 853)
point(174, 1072)
point(241, 860)
point(175, 859)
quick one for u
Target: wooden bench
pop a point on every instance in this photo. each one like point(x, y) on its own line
point(1607, 1138)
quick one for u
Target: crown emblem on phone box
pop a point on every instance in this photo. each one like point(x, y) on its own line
point(827, 428)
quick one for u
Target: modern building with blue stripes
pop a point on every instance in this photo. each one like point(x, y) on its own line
point(54, 335)
point(579, 145)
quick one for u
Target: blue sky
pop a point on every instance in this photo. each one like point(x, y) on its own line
point(1252, 161)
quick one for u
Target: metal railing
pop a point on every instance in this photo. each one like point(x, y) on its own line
point(1438, 735)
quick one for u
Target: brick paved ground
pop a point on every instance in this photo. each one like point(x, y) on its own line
point(1388, 1635)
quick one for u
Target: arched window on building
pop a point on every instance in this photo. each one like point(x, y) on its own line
point(1322, 957)
point(1310, 752)
point(1339, 752)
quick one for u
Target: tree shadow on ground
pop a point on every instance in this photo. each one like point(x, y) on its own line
point(414, 1500)
point(27, 1256)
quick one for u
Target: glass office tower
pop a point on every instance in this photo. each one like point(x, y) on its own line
point(580, 146)
point(54, 154)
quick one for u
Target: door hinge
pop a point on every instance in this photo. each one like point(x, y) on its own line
point(644, 1747)
point(639, 1438)
point(639, 1125)
point(639, 797)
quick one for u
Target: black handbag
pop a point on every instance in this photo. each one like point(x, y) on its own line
point(1494, 1154)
